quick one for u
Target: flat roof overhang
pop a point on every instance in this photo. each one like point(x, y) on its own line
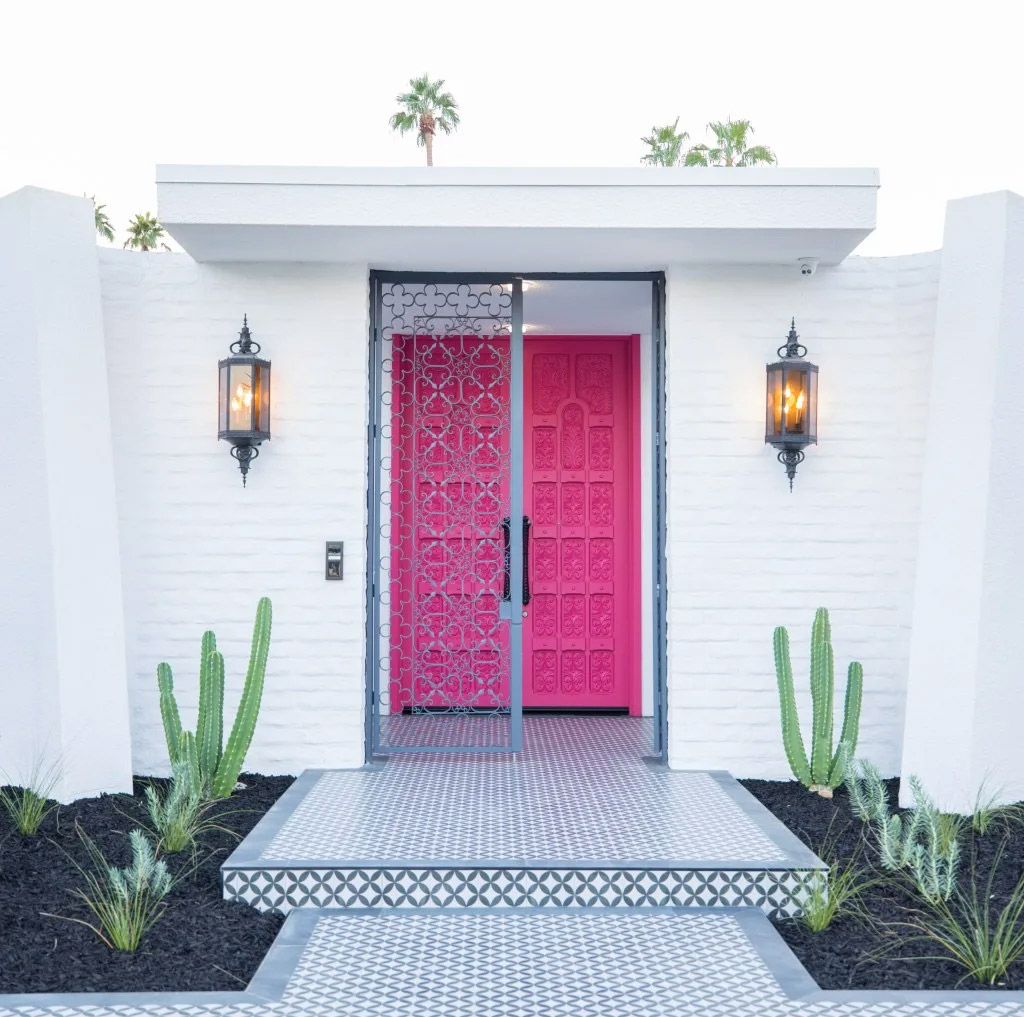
point(543, 220)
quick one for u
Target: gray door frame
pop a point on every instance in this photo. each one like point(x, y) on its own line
point(659, 474)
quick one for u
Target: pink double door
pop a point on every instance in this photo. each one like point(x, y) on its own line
point(449, 496)
point(581, 494)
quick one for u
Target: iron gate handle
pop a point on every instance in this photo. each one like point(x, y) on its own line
point(526, 560)
point(506, 541)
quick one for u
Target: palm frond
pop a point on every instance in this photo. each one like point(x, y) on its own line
point(759, 155)
point(665, 145)
point(145, 233)
point(403, 122)
point(697, 156)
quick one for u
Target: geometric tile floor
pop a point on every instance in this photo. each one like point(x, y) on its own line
point(594, 963)
point(493, 886)
point(580, 789)
point(577, 818)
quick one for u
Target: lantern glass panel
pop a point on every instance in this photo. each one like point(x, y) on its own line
point(222, 401)
point(261, 400)
point(241, 398)
point(812, 411)
point(773, 422)
point(794, 401)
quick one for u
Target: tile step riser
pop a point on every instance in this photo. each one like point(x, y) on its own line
point(284, 890)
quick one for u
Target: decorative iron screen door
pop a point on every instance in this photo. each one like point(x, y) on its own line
point(445, 482)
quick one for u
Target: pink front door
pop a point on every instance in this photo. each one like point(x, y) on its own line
point(581, 494)
point(449, 494)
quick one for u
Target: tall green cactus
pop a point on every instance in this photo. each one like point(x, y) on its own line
point(210, 768)
point(249, 707)
point(825, 768)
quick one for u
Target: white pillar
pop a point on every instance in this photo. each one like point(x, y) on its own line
point(965, 693)
point(63, 688)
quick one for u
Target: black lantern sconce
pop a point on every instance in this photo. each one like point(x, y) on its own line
point(244, 404)
point(791, 422)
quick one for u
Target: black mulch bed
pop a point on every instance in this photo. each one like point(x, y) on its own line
point(873, 952)
point(201, 943)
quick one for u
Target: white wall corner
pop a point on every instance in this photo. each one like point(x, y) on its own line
point(965, 696)
point(63, 689)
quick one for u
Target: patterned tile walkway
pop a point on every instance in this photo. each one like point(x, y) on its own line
point(598, 963)
point(579, 790)
point(578, 817)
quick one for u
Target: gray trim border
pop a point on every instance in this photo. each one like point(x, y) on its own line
point(278, 966)
point(266, 986)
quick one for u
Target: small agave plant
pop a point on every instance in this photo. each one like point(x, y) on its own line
point(826, 767)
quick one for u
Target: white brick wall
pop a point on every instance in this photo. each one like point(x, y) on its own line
point(198, 549)
point(744, 554)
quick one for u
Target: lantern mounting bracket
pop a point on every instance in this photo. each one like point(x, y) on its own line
point(791, 458)
point(245, 454)
point(792, 348)
point(245, 345)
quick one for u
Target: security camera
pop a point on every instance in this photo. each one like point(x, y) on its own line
point(808, 266)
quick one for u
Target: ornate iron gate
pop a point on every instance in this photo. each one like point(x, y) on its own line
point(445, 576)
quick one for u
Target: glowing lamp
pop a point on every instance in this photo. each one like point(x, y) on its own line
point(243, 408)
point(791, 421)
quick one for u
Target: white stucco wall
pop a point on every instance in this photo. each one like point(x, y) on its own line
point(198, 548)
point(966, 694)
point(744, 554)
point(63, 696)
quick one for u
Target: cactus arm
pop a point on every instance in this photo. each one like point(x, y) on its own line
point(169, 710)
point(208, 645)
point(791, 737)
point(851, 720)
point(822, 684)
point(821, 630)
point(188, 763)
point(248, 708)
point(210, 732)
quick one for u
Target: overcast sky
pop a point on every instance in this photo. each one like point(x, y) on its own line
point(93, 95)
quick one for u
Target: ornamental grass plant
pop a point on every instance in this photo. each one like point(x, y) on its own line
point(178, 816)
point(971, 930)
point(29, 805)
point(837, 893)
point(125, 902)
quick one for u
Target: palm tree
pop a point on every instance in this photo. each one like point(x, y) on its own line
point(730, 148)
point(145, 233)
point(426, 108)
point(102, 220)
point(666, 144)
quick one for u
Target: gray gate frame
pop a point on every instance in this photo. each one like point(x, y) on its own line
point(658, 499)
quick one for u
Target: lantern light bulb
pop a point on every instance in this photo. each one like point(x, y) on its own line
point(234, 405)
point(247, 399)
